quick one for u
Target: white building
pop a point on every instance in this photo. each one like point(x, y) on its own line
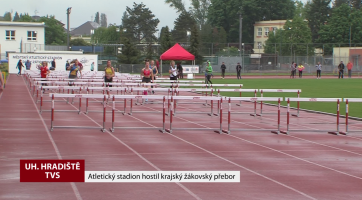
point(15, 36)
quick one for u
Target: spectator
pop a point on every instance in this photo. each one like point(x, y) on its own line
point(2, 82)
point(28, 65)
point(319, 70)
point(341, 69)
point(238, 71)
point(67, 66)
point(293, 70)
point(223, 68)
point(180, 71)
point(300, 69)
point(349, 67)
point(19, 66)
point(92, 66)
point(53, 65)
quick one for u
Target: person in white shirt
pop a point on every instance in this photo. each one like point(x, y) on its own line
point(173, 71)
point(319, 70)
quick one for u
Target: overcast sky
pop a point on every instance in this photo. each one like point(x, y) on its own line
point(83, 10)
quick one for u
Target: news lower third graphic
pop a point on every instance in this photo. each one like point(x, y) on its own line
point(74, 171)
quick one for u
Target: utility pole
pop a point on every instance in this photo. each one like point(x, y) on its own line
point(240, 30)
point(68, 13)
point(350, 32)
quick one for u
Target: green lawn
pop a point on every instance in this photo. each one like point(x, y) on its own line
point(314, 88)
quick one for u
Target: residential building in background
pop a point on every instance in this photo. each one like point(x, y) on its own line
point(262, 30)
point(13, 36)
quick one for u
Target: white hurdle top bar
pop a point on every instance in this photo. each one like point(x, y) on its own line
point(353, 99)
point(280, 90)
point(254, 99)
point(314, 99)
point(93, 96)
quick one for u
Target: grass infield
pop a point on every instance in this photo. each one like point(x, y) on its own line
point(313, 88)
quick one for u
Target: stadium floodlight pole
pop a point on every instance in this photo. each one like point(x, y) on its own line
point(68, 13)
point(240, 30)
point(350, 32)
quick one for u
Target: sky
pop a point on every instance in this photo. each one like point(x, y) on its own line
point(83, 10)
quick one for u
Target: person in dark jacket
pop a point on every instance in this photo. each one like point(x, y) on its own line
point(223, 68)
point(341, 70)
point(238, 71)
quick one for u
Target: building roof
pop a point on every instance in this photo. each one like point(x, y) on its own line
point(85, 29)
point(22, 24)
point(270, 22)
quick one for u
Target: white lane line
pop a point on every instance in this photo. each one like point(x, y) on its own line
point(74, 187)
point(138, 154)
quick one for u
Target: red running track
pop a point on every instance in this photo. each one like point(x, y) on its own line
point(303, 165)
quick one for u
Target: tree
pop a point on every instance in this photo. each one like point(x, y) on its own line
point(129, 53)
point(97, 19)
point(54, 31)
point(317, 13)
point(7, 16)
point(194, 47)
point(198, 9)
point(183, 23)
point(140, 23)
point(25, 18)
point(103, 20)
point(16, 17)
point(338, 3)
point(336, 30)
point(226, 14)
point(295, 39)
point(165, 39)
point(79, 42)
point(356, 4)
point(149, 52)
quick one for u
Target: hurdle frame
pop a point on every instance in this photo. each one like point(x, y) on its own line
point(114, 97)
point(262, 91)
point(347, 101)
point(170, 129)
point(73, 127)
point(252, 99)
point(289, 99)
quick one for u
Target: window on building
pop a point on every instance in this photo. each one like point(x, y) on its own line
point(266, 30)
point(10, 35)
point(260, 45)
point(260, 31)
point(32, 35)
point(275, 29)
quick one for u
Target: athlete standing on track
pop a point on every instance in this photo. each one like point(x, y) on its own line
point(300, 69)
point(209, 73)
point(74, 70)
point(154, 72)
point(44, 71)
point(108, 73)
point(173, 71)
point(147, 76)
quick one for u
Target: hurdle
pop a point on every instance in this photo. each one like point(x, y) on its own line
point(56, 88)
point(201, 98)
point(253, 99)
point(337, 100)
point(55, 95)
point(262, 91)
point(348, 100)
point(237, 90)
point(114, 97)
point(210, 98)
